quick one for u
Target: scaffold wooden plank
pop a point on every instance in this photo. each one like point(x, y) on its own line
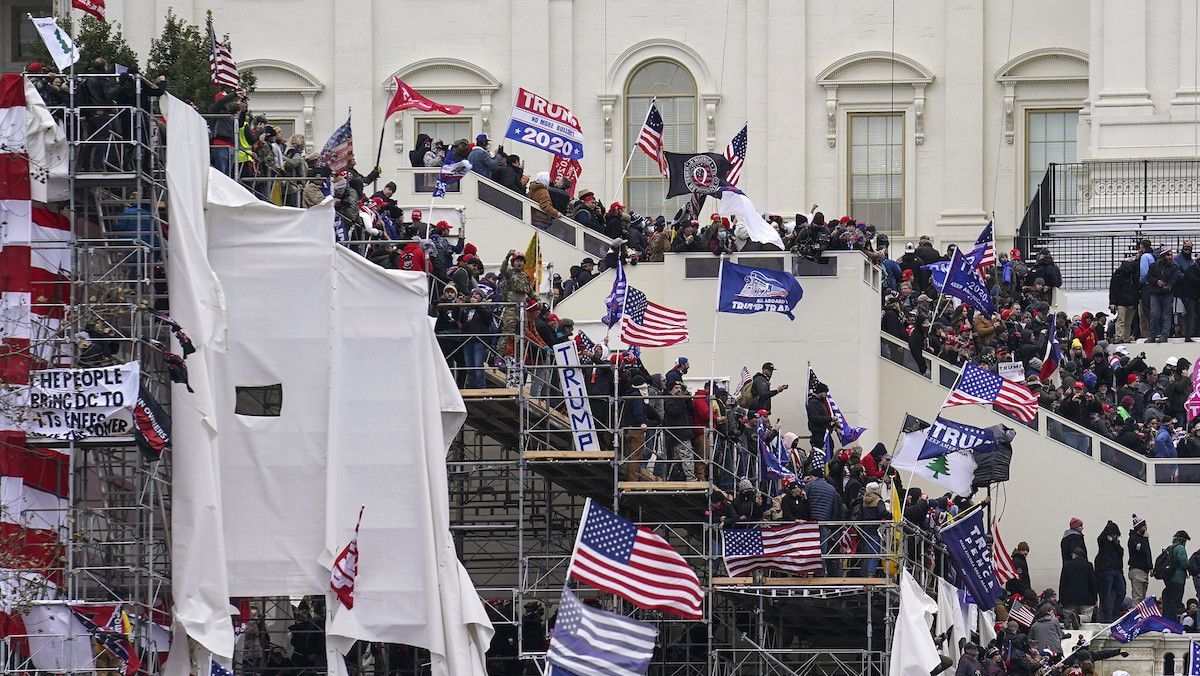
point(580, 456)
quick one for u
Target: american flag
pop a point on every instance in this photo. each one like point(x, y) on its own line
point(984, 252)
point(1193, 663)
point(338, 153)
point(735, 152)
point(743, 378)
point(650, 139)
point(1192, 405)
point(846, 433)
point(650, 324)
point(794, 548)
point(345, 568)
point(592, 641)
point(95, 619)
point(221, 65)
point(216, 669)
point(1005, 568)
point(977, 386)
point(1020, 612)
point(622, 558)
point(583, 343)
point(1143, 618)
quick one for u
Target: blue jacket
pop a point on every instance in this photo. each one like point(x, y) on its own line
point(482, 163)
point(1164, 447)
point(1184, 262)
point(824, 500)
point(1144, 264)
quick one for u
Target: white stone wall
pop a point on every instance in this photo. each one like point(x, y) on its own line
point(965, 73)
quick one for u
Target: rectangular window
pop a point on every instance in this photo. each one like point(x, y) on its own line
point(449, 129)
point(876, 170)
point(287, 126)
point(266, 400)
point(23, 40)
point(645, 187)
point(1050, 137)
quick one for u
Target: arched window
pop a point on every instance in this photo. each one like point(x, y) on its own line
point(673, 90)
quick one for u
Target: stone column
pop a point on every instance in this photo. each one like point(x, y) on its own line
point(962, 213)
point(1122, 35)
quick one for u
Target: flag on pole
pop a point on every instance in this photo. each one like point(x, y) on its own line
point(222, 68)
point(338, 153)
point(1141, 619)
point(772, 465)
point(735, 152)
point(60, 45)
point(1192, 405)
point(1052, 357)
point(846, 432)
point(890, 564)
point(794, 548)
point(622, 558)
point(734, 202)
point(96, 620)
point(947, 436)
point(406, 97)
point(963, 282)
point(743, 378)
point(953, 471)
point(648, 324)
point(1193, 663)
point(747, 290)
point(345, 568)
point(650, 138)
point(977, 386)
point(93, 7)
point(588, 640)
point(966, 543)
point(913, 652)
point(984, 252)
point(615, 301)
point(533, 256)
point(1005, 568)
point(1022, 613)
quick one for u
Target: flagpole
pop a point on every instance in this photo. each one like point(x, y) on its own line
point(625, 171)
point(712, 365)
point(379, 154)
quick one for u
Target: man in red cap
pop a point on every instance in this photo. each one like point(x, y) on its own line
point(1072, 539)
point(418, 227)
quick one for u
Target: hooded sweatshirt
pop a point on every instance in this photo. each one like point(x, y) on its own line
point(1111, 555)
point(1140, 556)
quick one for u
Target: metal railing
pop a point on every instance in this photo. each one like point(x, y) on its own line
point(1102, 449)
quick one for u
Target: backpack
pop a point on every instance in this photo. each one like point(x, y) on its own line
point(1164, 565)
point(743, 396)
point(1193, 566)
point(411, 258)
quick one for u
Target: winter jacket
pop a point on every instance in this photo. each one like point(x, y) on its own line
point(819, 418)
point(1180, 575)
point(1072, 540)
point(1123, 285)
point(1140, 556)
point(677, 416)
point(1046, 632)
point(795, 508)
point(824, 501)
point(509, 177)
point(1163, 270)
point(761, 393)
point(968, 666)
point(482, 163)
point(541, 194)
point(748, 511)
point(1111, 555)
point(416, 156)
point(1022, 566)
point(1047, 269)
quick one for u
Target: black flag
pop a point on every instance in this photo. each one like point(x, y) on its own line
point(702, 173)
point(153, 425)
point(993, 468)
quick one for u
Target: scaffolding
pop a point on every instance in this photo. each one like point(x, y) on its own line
point(517, 484)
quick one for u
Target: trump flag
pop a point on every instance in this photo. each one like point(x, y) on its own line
point(746, 290)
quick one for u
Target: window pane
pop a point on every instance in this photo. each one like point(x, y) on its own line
point(1054, 126)
point(1037, 127)
point(876, 170)
point(675, 92)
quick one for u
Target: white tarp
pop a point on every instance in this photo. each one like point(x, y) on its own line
point(913, 651)
point(368, 410)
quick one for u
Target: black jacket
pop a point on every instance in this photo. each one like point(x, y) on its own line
point(1077, 584)
point(1071, 540)
point(818, 419)
point(1111, 555)
point(761, 393)
point(795, 509)
point(1022, 566)
point(1123, 286)
point(1047, 269)
point(1140, 556)
point(1163, 270)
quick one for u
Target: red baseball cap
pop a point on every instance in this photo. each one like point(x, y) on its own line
point(416, 213)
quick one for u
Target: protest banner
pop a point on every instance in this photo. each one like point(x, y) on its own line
point(76, 403)
point(574, 388)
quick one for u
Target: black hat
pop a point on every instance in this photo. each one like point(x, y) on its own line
point(1182, 535)
point(390, 184)
point(587, 261)
point(820, 387)
point(768, 365)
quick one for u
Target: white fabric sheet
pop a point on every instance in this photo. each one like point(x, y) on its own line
point(913, 652)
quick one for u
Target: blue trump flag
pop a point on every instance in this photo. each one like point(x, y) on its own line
point(772, 465)
point(947, 436)
point(614, 304)
point(746, 290)
point(1143, 618)
point(964, 283)
point(967, 543)
point(1193, 663)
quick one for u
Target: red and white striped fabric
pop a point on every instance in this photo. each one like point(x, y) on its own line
point(345, 568)
point(35, 270)
point(1005, 568)
point(794, 548)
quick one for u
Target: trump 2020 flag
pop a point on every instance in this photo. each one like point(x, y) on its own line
point(967, 543)
point(588, 640)
point(345, 568)
point(772, 465)
point(615, 302)
point(1141, 619)
point(946, 436)
point(746, 290)
point(964, 283)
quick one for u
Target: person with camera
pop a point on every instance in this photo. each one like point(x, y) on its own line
point(482, 161)
point(1161, 280)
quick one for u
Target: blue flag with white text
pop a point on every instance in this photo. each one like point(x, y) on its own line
point(970, 551)
point(1143, 618)
point(947, 436)
point(772, 467)
point(964, 283)
point(615, 301)
point(746, 290)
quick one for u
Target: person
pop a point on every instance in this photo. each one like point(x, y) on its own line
point(482, 161)
point(820, 418)
point(477, 328)
point(720, 510)
point(1186, 289)
point(1164, 441)
point(1077, 586)
point(509, 174)
point(1161, 279)
point(1110, 571)
point(1020, 557)
point(518, 289)
point(677, 421)
point(539, 191)
point(1072, 539)
point(826, 505)
point(869, 539)
point(1046, 632)
point(761, 391)
point(416, 156)
point(968, 663)
point(1173, 592)
point(676, 373)
point(795, 505)
point(748, 503)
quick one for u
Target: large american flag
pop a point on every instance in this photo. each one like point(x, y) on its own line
point(984, 252)
point(593, 641)
point(977, 386)
point(1005, 568)
point(616, 297)
point(649, 324)
point(338, 153)
point(735, 152)
point(221, 65)
point(794, 548)
point(650, 139)
point(622, 558)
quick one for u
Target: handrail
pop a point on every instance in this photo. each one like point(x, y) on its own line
point(1106, 451)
